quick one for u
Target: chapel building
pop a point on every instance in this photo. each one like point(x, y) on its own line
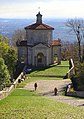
point(39, 49)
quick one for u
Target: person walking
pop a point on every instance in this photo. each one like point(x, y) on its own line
point(35, 86)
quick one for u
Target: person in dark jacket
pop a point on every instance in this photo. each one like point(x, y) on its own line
point(55, 91)
point(35, 86)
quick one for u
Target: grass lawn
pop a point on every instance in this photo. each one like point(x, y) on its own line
point(54, 72)
point(22, 104)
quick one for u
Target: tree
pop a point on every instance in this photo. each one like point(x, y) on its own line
point(78, 78)
point(68, 50)
point(83, 52)
point(9, 54)
point(11, 60)
point(4, 39)
point(19, 35)
point(4, 74)
point(3, 49)
point(77, 27)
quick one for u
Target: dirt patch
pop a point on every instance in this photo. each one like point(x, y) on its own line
point(46, 88)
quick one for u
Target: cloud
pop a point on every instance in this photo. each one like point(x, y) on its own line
point(49, 8)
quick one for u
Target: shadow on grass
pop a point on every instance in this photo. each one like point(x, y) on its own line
point(43, 68)
point(23, 92)
point(52, 76)
point(49, 93)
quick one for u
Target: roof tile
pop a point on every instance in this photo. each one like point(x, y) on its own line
point(37, 26)
point(56, 42)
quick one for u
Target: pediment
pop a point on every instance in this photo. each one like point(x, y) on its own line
point(41, 45)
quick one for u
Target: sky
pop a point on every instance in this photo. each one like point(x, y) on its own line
point(48, 8)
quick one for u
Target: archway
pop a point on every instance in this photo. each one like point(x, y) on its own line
point(40, 59)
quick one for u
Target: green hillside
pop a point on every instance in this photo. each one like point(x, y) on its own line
point(22, 104)
point(53, 72)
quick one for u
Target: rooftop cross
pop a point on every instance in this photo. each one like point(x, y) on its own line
point(39, 9)
point(39, 17)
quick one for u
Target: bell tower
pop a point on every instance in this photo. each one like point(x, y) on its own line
point(39, 18)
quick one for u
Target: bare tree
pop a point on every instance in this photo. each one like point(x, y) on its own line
point(77, 27)
point(19, 35)
point(66, 50)
point(69, 50)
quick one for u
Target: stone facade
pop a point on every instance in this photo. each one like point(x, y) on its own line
point(56, 54)
point(36, 36)
point(39, 49)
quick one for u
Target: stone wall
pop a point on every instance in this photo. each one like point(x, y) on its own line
point(56, 50)
point(76, 94)
point(45, 50)
point(36, 36)
point(22, 54)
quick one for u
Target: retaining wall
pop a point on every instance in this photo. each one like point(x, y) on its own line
point(76, 94)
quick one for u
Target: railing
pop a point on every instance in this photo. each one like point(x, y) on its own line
point(71, 71)
point(5, 93)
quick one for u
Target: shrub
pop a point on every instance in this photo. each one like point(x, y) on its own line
point(78, 78)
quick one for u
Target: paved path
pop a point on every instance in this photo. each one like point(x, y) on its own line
point(46, 88)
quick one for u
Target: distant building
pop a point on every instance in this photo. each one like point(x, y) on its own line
point(39, 49)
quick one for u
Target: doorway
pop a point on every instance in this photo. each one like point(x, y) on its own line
point(40, 59)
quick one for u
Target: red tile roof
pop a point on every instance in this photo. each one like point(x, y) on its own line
point(56, 42)
point(37, 26)
point(21, 43)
